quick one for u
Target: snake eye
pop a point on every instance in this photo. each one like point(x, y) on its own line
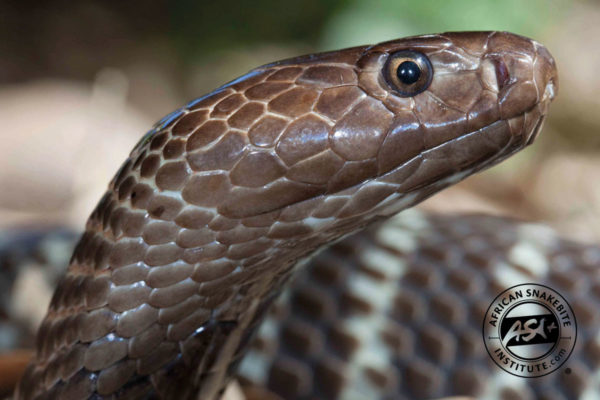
point(408, 72)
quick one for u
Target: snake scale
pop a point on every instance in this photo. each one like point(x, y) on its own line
point(220, 203)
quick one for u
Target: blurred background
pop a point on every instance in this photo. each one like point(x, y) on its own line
point(80, 82)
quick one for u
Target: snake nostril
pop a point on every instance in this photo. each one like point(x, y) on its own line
point(502, 75)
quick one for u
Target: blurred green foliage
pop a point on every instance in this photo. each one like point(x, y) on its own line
point(325, 24)
point(365, 21)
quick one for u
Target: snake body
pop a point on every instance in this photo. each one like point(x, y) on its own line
point(216, 206)
point(415, 333)
point(395, 312)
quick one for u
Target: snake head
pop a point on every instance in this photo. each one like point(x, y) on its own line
point(409, 116)
point(336, 121)
point(406, 117)
point(479, 97)
point(412, 115)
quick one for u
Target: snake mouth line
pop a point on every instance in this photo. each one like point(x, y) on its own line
point(503, 154)
point(421, 192)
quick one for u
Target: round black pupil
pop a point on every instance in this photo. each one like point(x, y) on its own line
point(408, 72)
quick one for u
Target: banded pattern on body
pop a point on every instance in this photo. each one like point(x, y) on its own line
point(395, 312)
point(206, 220)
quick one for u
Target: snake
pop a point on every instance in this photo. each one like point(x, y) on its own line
point(224, 200)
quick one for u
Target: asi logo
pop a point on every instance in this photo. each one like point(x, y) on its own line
point(529, 330)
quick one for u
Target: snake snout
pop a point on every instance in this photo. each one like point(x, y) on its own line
point(546, 77)
point(524, 71)
point(545, 72)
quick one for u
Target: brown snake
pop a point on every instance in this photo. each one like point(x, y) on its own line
point(207, 219)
